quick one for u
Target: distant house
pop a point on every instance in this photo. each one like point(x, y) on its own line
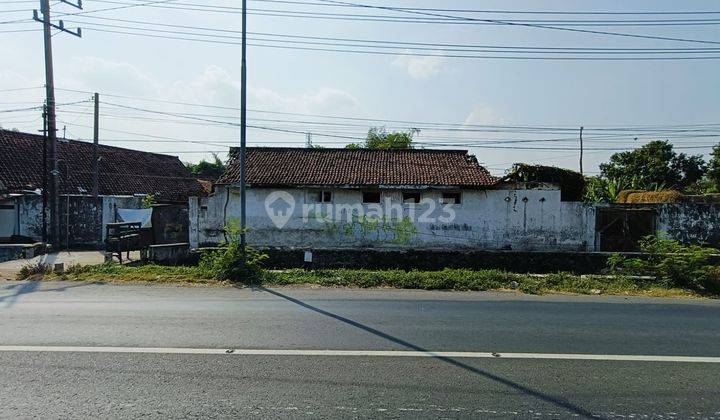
point(122, 171)
point(416, 198)
point(125, 177)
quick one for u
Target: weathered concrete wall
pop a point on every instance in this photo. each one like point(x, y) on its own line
point(111, 204)
point(169, 254)
point(9, 252)
point(81, 225)
point(170, 224)
point(30, 225)
point(690, 222)
point(511, 219)
point(85, 216)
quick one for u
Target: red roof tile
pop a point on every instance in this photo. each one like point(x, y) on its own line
point(122, 171)
point(273, 166)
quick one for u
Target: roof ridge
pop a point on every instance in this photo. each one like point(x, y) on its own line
point(321, 149)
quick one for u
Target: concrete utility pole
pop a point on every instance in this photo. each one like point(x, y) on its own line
point(308, 141)
point(50, 107)
point(581, 150)
point(44, 176)
point(243, 124)
point(96, 146)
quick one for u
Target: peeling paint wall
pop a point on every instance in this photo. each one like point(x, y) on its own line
point(30, 211)
point(517, 219)
point(86, 217)
point(690, 223)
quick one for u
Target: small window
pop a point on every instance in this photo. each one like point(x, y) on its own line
point(451, 198)
point(324, 197)
point(371, 197)
point(411, 197)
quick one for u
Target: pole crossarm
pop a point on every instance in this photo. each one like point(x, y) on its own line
point(77, 5)
point(60, 25)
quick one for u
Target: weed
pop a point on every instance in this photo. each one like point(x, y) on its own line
point(33, 269)
point(672, 264)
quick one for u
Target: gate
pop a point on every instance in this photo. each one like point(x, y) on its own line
point(619, 229)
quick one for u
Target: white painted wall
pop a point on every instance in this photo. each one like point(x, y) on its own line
point(513, 218)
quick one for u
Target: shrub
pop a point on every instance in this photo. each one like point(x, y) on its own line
point(33, 269)
point(233, 262)
point(672, 264)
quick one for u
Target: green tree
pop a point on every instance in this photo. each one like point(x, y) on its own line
point(713, 173)
point(380, 138)
point(207, 170)
point(655, 166)
point(601, 190)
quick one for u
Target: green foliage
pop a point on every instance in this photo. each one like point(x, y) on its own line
point(462, 280)
point(33, 269)
point(380, 138)
point(207, 170)
point(601, 190)
point(572, 184)
point(148, 201)
point(655, 166)
point(146, 273)
point(672, 264)
point(713, 173)
point(233, 262)
point(449, 279)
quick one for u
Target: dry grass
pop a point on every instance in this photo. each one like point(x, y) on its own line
point(649, 197)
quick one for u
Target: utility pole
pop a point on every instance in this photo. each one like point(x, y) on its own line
point(243, 125)
point(50, 107)
point(581, 150)
point(96, 146)
point(44, 176)
point(308, 141)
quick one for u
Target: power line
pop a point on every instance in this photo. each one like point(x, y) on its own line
point(501, 22)
point(404, 46)
point(232, 9)
point(534, 12)
point(369, 41)
point(631, 129)
point(402, 53)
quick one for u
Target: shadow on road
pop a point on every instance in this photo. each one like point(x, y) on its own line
point(28, 287)
point(518, 387)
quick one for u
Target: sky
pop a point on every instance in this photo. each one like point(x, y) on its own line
point(180, 96)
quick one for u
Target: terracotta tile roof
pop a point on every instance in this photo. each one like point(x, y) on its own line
point(122, 171)
point(271, 166)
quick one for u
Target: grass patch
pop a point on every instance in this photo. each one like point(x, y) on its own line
point(449, 279)
point(113, 272)
point(474, 280)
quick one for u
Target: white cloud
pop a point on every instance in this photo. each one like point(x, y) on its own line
point(329, 100)
point(215, 86)
point(98, 74)
point(482, 114)
point(212, 86)
point(420, 68)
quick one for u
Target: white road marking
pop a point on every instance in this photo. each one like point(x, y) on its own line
point(364, 353)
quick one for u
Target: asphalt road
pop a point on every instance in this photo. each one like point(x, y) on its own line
point(50, 382)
